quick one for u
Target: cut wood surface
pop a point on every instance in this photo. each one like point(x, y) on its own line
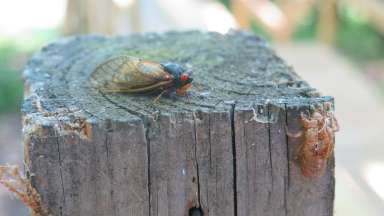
point(222, 150)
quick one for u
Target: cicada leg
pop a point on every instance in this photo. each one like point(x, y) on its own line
point(157, 98)
point(335, 125)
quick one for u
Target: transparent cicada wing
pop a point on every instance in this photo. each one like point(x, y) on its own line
point(130, 74)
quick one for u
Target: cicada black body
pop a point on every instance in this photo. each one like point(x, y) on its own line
point(133, 75)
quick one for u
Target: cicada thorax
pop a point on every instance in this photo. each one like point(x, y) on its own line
point(131, 75)
point(314, 151)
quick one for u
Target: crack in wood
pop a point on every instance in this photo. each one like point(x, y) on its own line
point(270, 142)
point(287, 143)
point(61, 174)
point(285, 197)
point(233, 135)
point(109, 164)
point(196, 161)
point(130, 111)
point(209, 142)
point(287, 178)
point(148, 143)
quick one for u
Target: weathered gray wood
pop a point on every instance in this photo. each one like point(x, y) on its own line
point(253, 162)
point(105, 174)
point(261, 161)
point(173, 171)
point(223, 150)
point(215, 162)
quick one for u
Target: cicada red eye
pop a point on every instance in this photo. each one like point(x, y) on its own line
point(184, 77)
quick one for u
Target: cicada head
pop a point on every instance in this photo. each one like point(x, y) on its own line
point(182, 80)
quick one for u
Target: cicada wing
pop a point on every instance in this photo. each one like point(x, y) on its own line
point(130, 74)
point(104, 72)
point(138, 73)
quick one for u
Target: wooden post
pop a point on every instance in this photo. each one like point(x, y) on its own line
point(223, 150)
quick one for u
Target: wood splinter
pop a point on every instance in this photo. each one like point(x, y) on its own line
point(18, 185)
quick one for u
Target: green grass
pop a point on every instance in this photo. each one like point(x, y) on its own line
point(10, 80)
point(14, 52)
point(10, 90)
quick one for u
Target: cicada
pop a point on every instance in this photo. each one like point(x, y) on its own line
point(133, 75)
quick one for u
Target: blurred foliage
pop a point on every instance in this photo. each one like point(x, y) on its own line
point(10, 81)
point(260, 31)
point(306, 30)
point(14, 52)
point(226, 3)
point(355, 37)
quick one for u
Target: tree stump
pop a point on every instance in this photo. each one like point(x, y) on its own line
point(223, 150)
